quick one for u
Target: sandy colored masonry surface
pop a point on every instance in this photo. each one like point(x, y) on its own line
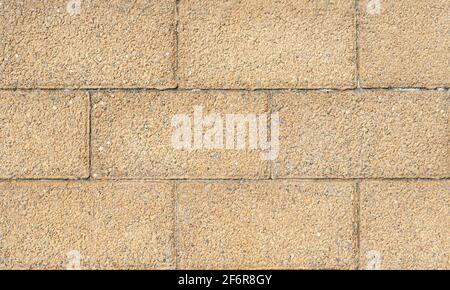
point(44, 134)
point(266, 224)
point(111, 225)
point(90, 177)
point(407, 223)
point(131, 140)
point(110, 44)
point(374, 134)
point(407, 44)
point(267, 44)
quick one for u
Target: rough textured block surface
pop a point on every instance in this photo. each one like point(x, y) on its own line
point(115, 43)
point(266, 225)
point(98, 98)
point(44, 134)
point(267, 44)
point(132, 136)
point(111, 225)
point(404, 43)
point(407, 223)
point(363, 134)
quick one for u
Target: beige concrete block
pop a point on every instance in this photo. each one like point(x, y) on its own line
point(107, 44)
point(266, 224)
point(363, 134)
point(404, 43)
point(132, 135)
point(110, 225)
point(267, 44)
point(44, 134)
point(405, 225)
